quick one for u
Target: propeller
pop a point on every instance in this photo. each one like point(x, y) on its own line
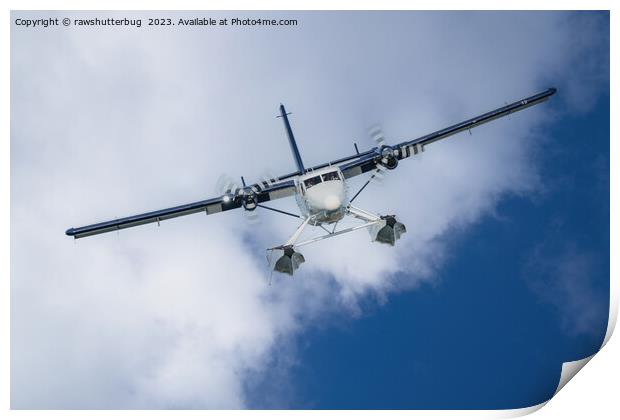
point(225, 185)
point(376, 134)
point(387, 160)
point(248, 195)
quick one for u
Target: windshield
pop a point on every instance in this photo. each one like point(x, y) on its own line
point(332, 176)
point(311, 182)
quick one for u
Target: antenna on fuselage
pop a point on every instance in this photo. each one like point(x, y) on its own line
point(291, 140)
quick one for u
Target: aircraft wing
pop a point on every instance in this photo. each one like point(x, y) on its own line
point(284, 186)
point(261, 193)
point(368, 161)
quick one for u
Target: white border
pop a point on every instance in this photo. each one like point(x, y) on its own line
point(596, 384)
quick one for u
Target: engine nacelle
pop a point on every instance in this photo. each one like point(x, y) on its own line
point(388, 157)
point(249, 201)
point(390, 163)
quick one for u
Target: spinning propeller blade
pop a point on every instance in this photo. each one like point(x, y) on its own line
point(227, 185)
point(376, 134)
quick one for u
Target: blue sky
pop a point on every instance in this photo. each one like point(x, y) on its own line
point(495, 329)
point(502, 276)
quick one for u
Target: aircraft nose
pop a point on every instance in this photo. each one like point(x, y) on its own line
point(332, 202)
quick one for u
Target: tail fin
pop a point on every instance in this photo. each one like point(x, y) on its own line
point(291, 140)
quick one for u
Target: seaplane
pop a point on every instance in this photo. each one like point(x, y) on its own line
point(320, 191)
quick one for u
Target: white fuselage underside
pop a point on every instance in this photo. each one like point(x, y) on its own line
point(326, 202)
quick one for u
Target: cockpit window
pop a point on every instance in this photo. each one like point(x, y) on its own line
point(311, 182)
point(332, 176)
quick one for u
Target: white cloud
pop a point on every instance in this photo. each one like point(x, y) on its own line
point(109, 123)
